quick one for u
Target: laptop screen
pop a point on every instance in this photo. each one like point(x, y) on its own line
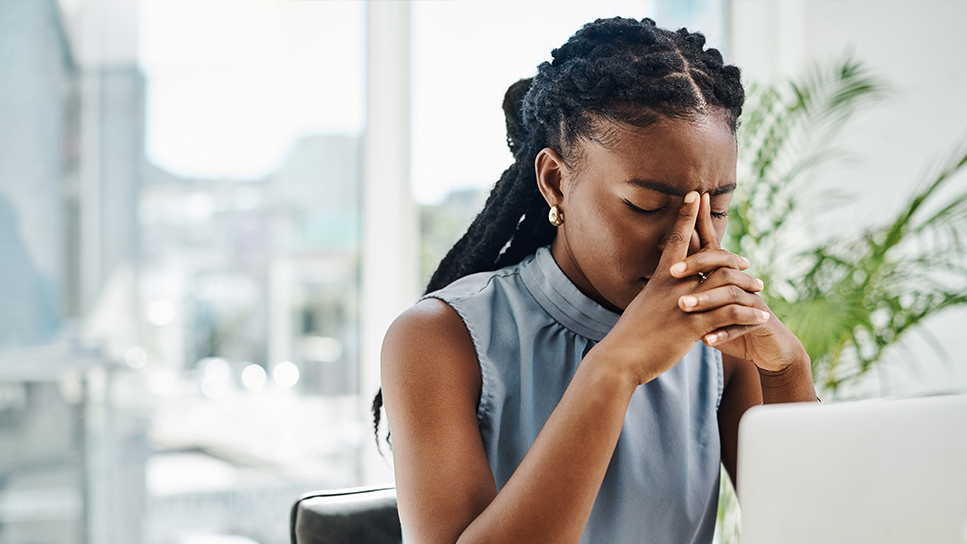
point(881, 471)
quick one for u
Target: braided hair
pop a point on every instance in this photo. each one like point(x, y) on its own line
point(624, 71)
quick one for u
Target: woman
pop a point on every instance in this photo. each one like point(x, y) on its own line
point(580, 363)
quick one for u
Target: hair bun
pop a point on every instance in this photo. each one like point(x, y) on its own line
point(513, 99)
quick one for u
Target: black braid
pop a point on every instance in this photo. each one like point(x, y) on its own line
point(621, 70)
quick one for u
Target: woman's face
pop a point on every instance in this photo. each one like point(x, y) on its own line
point(622, 197)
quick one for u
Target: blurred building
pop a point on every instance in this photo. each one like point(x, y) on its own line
point(261, 278)
point(37, 83)
point(71, 452)
point(262, 271)
point(147, 316)
point(441, 225)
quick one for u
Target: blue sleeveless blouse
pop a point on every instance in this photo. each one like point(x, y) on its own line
point(531, 327)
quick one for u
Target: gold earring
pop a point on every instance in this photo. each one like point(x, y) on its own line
point(556, 216)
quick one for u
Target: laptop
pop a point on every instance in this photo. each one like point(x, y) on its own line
point(885, 471)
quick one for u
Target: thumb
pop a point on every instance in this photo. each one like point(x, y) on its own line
point(679, 238)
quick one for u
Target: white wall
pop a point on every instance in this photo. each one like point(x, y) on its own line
point(918, 46)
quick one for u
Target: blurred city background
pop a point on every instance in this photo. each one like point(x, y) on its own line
point(200, 245)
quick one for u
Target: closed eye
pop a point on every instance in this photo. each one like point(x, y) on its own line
point(642, 211)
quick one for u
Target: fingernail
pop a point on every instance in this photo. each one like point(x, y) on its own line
point(761, 285)
point(678, 268)
point(691, 197)
point(712, 338)
point(763, 316)
point(745, 261)
point(689, 301)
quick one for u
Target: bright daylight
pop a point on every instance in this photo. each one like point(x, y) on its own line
point(439, 271)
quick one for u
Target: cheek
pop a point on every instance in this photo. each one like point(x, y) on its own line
point(635, 243)
point(599, 230)
point(603, 234)
point(609, 238)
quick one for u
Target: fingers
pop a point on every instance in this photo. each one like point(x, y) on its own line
point(718, 297)
point(708, 261)
point(726, 334)
point(730, 276)
point(678, 239)
point(706, 234)
point(712, 255)
point(731, 321)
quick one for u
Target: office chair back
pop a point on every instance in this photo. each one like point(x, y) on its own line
point(362, 515)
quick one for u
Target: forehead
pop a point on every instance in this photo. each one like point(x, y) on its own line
point(685, 155)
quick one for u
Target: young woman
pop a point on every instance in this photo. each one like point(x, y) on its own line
point(580, 363)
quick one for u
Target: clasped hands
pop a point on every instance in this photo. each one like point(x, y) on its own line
point(703, 296)
point(724, 287)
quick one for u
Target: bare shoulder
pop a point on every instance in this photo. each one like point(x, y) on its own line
point(430, 338)
point(430, 316)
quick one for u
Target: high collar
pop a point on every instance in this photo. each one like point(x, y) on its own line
point(562, 300)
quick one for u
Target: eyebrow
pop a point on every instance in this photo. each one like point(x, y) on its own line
point(666, 189)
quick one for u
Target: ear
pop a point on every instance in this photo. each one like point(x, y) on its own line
point(550, 169)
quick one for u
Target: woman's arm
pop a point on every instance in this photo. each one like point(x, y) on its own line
point(431, 386)
point(794, 383)
point(741, 392)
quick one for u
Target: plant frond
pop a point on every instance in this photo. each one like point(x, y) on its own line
point(851, 296)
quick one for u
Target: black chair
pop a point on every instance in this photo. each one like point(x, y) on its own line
point(360, 515)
